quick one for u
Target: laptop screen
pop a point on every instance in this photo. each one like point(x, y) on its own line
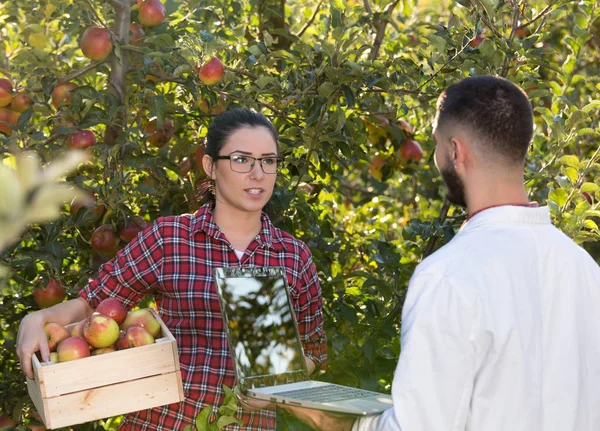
point(261, 326)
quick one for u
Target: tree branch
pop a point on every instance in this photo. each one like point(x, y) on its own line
point(80, 72)
point(310, 21)
point(380, 26)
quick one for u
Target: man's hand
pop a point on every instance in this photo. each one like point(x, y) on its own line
point(321, 420)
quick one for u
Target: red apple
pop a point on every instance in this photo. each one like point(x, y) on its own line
point(61, 95)
point(50, 295)
point(476, 41)
point(404, 125)
point(211, 72)
point(102, 350)
point(81, 139)
point(152, 13)
point(6, 92)
point(72, 348)
point(159, 138)
point(112, 308)
point(95, 43)
point(136, 336)
point(91, 204)
point(100, 330)
point(21, 102)
point(77, 330)
point(410, 150)
point(122, 343)
point(55, 333)
point(136, 34)
point(142, 317)
point(136, 225)
point(8, 120)
point(105, 240)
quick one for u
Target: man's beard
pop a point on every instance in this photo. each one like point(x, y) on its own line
point(455, 186)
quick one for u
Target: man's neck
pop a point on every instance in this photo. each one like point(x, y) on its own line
point(488, 193)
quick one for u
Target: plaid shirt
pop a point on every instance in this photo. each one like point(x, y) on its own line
point(174, 260)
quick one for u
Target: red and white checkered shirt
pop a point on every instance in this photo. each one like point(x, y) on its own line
point(174, 260)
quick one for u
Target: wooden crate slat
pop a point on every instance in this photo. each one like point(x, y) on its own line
point(113, 400)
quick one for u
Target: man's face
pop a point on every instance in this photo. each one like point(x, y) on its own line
point(444, 161)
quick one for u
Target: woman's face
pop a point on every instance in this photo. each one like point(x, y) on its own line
point(245, 191)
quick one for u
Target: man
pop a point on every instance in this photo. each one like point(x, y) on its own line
point(500, 327)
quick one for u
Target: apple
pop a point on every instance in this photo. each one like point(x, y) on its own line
point(61, 95)
point(72, 348)
point(404, 125)
point(21, 102)
point(136, 34)
point(159, 137)
point(522, 32)
point(135, 336)
point(185, 166)
point(211, 72)
point(137, 224)
point(55, 333)
point(122, 343)
point(588, 197)
point(377, 162)
point(77, 330)
point(102, 350)
point(198, 156)
point(476, 41)
point(100, 330)
point(105, 241)
point(142, 317)
point(152, 13)
point(54, 357)
point(8, 120)
point(6, 421)
point(112, 308)
point(91, 204)
point(95, 43)
point(54, 293)
point(6, 92)
point(81, 139)
point(410, 150)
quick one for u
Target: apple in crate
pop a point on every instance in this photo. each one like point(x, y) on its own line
point(102, 350)
point(55, 333)
point(72, 348)
point(144, 318)
point(77, 330)
point(134, 336)
point(100, 330)
point(113, 308)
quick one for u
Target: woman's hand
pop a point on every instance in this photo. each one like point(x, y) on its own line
point(30, 339)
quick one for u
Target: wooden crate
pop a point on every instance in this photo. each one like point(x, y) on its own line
point(107, 385)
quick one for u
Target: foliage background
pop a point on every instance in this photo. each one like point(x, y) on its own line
point(326, 73)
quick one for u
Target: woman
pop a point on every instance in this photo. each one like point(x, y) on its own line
point(174, 260)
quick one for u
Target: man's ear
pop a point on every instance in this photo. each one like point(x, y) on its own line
point(207, 164)
point(458, 151)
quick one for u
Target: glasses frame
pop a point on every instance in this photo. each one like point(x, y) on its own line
point(255, 159)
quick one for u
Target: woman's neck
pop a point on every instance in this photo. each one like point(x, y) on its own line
point(239, 227)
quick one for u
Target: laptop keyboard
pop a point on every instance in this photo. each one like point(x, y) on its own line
point(327, 393)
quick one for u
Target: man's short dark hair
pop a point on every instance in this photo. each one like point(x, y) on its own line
point(494, 109)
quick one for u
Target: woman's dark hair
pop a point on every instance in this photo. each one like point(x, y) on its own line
point(222, 127)
point(495, 109)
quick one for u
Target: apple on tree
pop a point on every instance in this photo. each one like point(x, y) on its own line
point(410, 150)
point(130, 231)
point(80, 140)
point(55, 333)
point(136, 34)
point(159, 137)
point(61, 95)
point(105, 241)
point(6, 92)
point(211, 72)
point(21, 102)
point(52, 294)
point(8, 120)
point(72, 348)
point(90, 203)
point(96, 43)
point(151, 13)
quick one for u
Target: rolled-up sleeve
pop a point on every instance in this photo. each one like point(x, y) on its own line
point(433, 381)
point(132, 273)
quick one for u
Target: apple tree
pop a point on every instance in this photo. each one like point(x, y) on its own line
point(351, 87)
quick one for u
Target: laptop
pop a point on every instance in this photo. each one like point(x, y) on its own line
point(265, 346)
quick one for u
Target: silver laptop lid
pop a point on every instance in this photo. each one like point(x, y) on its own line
point(261, 326)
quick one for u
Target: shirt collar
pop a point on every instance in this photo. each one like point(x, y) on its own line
point(508, 214)
point(269, 236)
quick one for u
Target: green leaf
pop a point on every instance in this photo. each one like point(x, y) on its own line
point(223, 421)
point(570, 160)
point(590, 224)
point(558, 196)
point(592, 105)
point(202, 420)
point(326, 89)
point(590, 188)
point(572, 174)
point(438, 42)
point(158, 108)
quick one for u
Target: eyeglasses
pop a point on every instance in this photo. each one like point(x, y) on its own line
point(244, 164)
